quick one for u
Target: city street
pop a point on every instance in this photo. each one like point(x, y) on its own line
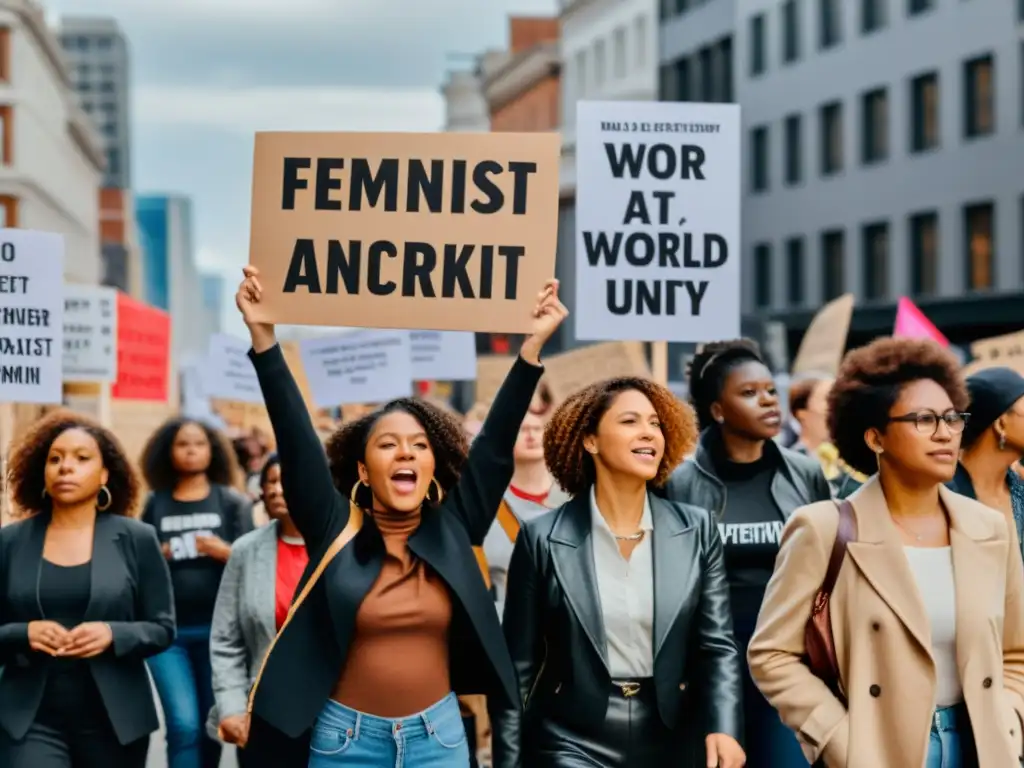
point(158, 752)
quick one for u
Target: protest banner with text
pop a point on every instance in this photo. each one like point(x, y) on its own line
point(657, 221)
point(143, 351)
point(360, 367)
point(90, 333)
point(31, 316)
point(436, 231)
point(443, 355)
point(229, 373)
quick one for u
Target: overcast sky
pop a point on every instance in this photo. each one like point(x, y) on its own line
point(207, 74)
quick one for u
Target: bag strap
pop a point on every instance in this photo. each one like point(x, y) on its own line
point(485, 568)
point(845, 533)
point(508, 521)
point(355, 523)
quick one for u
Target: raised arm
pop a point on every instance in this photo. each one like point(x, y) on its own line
point(776, 651)
point(309, 491)
point(488, 470)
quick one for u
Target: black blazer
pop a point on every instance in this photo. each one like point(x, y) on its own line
point(130, 591)
point(555, 632)
point(309, 656)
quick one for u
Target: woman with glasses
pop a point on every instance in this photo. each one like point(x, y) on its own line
point(926, 611)
point(993, 442)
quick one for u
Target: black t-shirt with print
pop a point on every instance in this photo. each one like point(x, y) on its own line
point(225, 513)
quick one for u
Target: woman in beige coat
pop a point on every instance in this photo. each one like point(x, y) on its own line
point(927, 611)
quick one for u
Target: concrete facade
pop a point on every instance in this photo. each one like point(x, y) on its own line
point(51, 160)
point(98, 59)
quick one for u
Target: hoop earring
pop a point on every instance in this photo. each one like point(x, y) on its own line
point(1002, 442)
point(110, 499)
point(440, 493)
point(355, 490)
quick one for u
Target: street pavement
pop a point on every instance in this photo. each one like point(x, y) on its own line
point(158, 747)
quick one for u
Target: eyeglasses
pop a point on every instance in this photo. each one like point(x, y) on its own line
point(927, 422)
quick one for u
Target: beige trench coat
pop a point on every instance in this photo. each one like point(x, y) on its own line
point(883, 638)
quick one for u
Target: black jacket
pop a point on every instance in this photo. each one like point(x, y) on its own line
point(309, 656)
point(800, 480)
point(554, 629)
point(130, 591)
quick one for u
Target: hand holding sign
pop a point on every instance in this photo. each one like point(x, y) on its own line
point(547, 316)
point(248, 296)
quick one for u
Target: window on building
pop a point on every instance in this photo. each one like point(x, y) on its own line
point(106, 87)
point(104, 43)
point(725, 60)
point(979, 245)
point(640, 42)
point(794, 149)
point(829, 19)
point(924, 253)
point(1020, 10)
point(706, 71)
point(109, 129)
point(979, 96)
point(924, 112)
point(833, 246)
point(790, 31)
point(915, 7)
point(113, 162)
point(7, 134)
point(5, 54)
point(831, 119)
point(619, 53)
point(872, 15)
point(600, 64)
point(795, 271)
point(8, 211)
point(83, 43)
point(681, 77)
point(875, 126)
point(758, 45)
point(760, 161)
point(763, 275)
point(875, 260)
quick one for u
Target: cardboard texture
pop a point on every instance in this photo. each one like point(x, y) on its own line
point(404, 230)
point(824, 343)
point(571, 371)
point(996, 351)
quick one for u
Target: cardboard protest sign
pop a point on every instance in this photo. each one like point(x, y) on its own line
point(229, 373)
point(571, 371)
point(31, 310)
point(657, 221)
point(362, 367)
point(439, 231)
point(824, 342)
point(997, 351)
point(143, 351)
point(90, 333)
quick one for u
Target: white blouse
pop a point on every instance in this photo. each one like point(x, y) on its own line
point(933, 571)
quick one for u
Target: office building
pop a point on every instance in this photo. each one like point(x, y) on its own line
point(883, 155)
point(97, 55)
point(465, 107)
point(213, 289)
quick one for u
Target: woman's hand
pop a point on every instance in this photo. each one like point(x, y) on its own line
point(213, 546)
point(547, 316)
point(47, 637)
point(88, 640)
point(248, 296)
point(724, 751)
point(234, 729)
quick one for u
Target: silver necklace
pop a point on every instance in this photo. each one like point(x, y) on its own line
point(631, 537)
point(916, 537)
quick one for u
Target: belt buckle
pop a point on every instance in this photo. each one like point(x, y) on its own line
point(629, 689)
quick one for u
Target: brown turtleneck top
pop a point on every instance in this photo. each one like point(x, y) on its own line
point(397, 664)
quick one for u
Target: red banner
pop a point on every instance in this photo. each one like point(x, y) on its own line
point(143, 351)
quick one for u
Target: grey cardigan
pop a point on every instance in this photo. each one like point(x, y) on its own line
point(243, 621)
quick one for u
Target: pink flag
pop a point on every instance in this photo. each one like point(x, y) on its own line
point(911, 323)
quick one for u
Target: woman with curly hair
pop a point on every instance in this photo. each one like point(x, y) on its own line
point(190, 468)
point(366, 668)
point(617, 612)
point(926, 604)
point(85, 597)
point(752, 485)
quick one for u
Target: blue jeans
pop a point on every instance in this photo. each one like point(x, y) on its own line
point(435, 738)
point(950, 736)
point(183, 682)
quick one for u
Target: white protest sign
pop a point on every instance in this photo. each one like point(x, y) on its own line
point(31, 316)
point(443, 355)
point(90, 333)
point(657, 221)
point(360, 367)
point(229, 373)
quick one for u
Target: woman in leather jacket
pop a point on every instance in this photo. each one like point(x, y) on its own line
point(616, 612)
point(752, 485)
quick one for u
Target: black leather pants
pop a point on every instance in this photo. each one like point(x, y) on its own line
point(631, 736)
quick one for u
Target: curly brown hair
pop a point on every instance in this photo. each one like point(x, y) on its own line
point(158, 466)
point(869, 383)
point(709, 369)
point(570, 464)
point(347, 446)
point(26, 469)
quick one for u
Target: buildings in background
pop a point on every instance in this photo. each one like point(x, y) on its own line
point(213, 289)
point(465, 107)
point(97, 55)
point(884, 152)
point(51, 159)
point(172, 281)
